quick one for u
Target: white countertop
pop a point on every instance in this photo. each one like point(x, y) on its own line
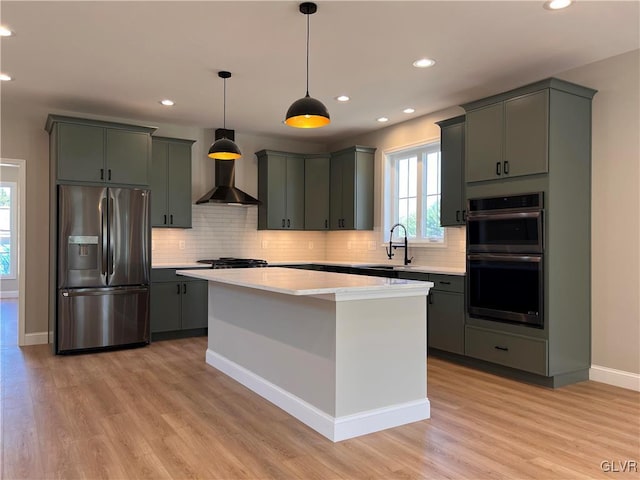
point(310, 282)
point(180, 265)
point(402, 268)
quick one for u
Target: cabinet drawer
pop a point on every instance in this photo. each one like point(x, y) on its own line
point(447, 283)
point(516, 351)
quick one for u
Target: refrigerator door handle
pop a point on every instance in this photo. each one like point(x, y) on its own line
point(111, 259)
point(104, 237)
point(88, 292)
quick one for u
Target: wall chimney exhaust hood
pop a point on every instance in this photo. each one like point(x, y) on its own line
point(225, 191)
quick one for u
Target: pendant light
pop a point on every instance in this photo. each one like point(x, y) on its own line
point(223, 148)
point(307, 112)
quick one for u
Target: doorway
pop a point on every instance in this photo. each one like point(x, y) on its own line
point(12, 251)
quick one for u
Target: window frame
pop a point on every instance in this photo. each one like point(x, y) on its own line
point(13, 241)
point(390, 194)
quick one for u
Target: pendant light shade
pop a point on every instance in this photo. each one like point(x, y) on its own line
point(307, 112)
point(223, 148)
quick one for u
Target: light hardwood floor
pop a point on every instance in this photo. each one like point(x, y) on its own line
point(161, 412)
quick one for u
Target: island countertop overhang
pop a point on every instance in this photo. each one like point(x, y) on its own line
point(336, 286)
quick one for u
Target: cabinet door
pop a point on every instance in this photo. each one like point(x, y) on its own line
point(483, 143)
point(179, 185)
point(276, 192)
point(335, 205)
point(80, 152)
point(316, 193)
point(295, 193)
point(452, 176)
point(195, 304)
point(526, 134)
point(128, 157)
point(445, 321)
point(158, 183)
point(165, 307)
point(349, 192)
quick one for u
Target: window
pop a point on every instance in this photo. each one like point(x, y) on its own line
point(412, 193)
point(8, 244)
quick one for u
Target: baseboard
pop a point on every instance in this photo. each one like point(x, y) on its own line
point(8, 293)
point(618, 378)
point(335, 429)
point(37, 338)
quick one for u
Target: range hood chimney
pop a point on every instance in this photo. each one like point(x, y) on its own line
point(225, 190)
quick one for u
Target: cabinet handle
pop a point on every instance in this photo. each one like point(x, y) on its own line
point(326, 223)
point(464, 215)
point(283, 223)
point(498, 168)
point(504, 349)
point(102, 174)
point(171, 218)
point(430, 299)
point(184, 288)
point(444, 283)
point(109, 174)
point(506, 167)
point(178, 291)
point(165, 219)
point(457, 215)
point(288, 223)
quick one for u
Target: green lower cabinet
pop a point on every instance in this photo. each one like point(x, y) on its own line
point(529, 354)
point(445, 321)
point(178, 305)
point(445, 313)
point(165, 307)
point(195, 304)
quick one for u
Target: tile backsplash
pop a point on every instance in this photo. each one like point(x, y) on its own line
point(231, 231)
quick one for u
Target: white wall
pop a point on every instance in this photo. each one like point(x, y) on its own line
point(615, 227)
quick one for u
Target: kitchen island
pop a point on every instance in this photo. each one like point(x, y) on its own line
point(344, 354)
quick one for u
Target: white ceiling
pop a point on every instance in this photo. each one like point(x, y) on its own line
point(120, 58)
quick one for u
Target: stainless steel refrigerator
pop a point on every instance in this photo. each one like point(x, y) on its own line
point(104, 262)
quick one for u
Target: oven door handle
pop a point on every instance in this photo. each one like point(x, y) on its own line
point(502, 216)
point(506, 258)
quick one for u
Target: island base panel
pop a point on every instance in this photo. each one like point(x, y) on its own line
point(332, 365)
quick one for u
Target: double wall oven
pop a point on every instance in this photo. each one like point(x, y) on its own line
point(505, 252)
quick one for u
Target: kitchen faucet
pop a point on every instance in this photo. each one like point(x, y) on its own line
point(392, 246)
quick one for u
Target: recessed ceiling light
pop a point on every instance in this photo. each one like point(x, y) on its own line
point(557, 4)
point(409, 110)
point(382, 119)
point(343, 98)
point(4, 77)
point(424, 63)
point(5, 32)
point(167, 103)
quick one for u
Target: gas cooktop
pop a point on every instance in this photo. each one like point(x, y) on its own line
point(230, 262)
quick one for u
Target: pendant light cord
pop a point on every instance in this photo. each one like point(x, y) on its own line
point(308, 15)
point(224, 103)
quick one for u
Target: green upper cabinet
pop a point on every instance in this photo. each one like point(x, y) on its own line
point(93, 151)
point(317, 192)
point(281, 182)
point(351, 178)
point(452, 207)
point(526, 134)
point(508, 135)
point(171, 182)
